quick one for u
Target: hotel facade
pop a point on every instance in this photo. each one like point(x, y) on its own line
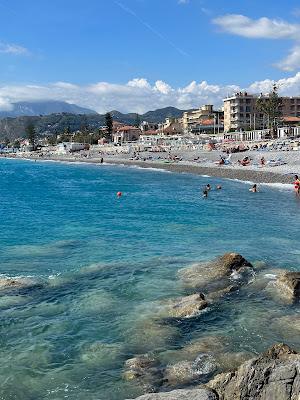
point(240, 112)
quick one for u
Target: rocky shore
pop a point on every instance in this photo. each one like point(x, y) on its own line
point(205, 369)
point(208, 367)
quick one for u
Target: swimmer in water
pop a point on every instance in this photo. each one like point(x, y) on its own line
point(254, 188)
point(219, 187)
point(208, 187)
point(205, 193)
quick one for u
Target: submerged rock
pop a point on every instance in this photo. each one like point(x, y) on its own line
point(149, 334)
point(196, 394)
point(145, 370)
point(206, 344)
point(216, 274)
point(288, 284)
point(18, 283)
point(188, 372)
point(101, 354)
point(184, 307)
point(273, 375)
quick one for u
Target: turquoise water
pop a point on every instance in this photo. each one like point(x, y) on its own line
point(101, 263)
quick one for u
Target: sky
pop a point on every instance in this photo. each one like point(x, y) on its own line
point(139, 55)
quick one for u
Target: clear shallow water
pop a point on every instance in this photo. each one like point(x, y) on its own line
point(104, 261)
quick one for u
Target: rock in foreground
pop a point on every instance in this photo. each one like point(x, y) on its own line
point(185, 307)
point(275, 375)
point(196, 394)
point(288, 284)
point(216, 274)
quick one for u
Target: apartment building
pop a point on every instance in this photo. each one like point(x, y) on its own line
point(194, 118)
point(240, 112)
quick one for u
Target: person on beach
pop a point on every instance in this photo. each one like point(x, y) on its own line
point(101, 161)
point(254, 188)
point(297, 185)
point(262, 161)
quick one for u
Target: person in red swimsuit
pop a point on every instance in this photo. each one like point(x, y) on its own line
point(297, 185)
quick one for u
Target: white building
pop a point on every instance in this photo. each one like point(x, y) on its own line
point(69, 147)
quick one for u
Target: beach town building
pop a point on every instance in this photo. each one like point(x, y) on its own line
point(127, 133)
point(148, 126)
point(192, 119)
point(172, 126)
point(240, 111)
point(70, 147)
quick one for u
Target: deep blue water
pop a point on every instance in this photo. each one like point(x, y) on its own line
point(103, 261)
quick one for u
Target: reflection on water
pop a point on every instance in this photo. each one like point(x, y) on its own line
point(99, 268)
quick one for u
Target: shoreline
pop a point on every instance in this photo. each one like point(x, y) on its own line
point(241, 173)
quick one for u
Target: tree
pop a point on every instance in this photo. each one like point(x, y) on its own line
point(31, 135)
point(137, 121)
point(109, 126)
point(269, 106)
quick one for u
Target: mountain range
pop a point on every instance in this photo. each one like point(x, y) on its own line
point(46, 107)
point(37, 113)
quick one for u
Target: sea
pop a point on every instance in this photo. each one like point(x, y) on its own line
point(99, 264)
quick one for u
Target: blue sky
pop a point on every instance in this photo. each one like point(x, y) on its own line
point(87, 52)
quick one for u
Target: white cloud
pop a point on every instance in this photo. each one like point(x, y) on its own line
point(138, 95)
point(292, 61)
point(183, 1)
point(10, 48)
point(262, 28)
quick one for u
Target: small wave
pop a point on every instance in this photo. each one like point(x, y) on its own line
point(280, 186)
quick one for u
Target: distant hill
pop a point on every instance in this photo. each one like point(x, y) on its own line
point(33, 108)
point(55, 123)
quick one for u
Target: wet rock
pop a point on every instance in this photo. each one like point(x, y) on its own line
point(230, 361)
point(273, 375)
point(145, 370)
point(18, 283)
point(185, 307)
point(288, 285)
point(218, 294)
point(196, 394)
point(216, 274)
point(188, 372)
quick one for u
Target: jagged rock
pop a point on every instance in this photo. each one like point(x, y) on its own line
point(216, 274)
point(188, 372)
point(145, 370)
point(274, 375)
point(288, 284)
point(184, 307)
point(196, 394)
